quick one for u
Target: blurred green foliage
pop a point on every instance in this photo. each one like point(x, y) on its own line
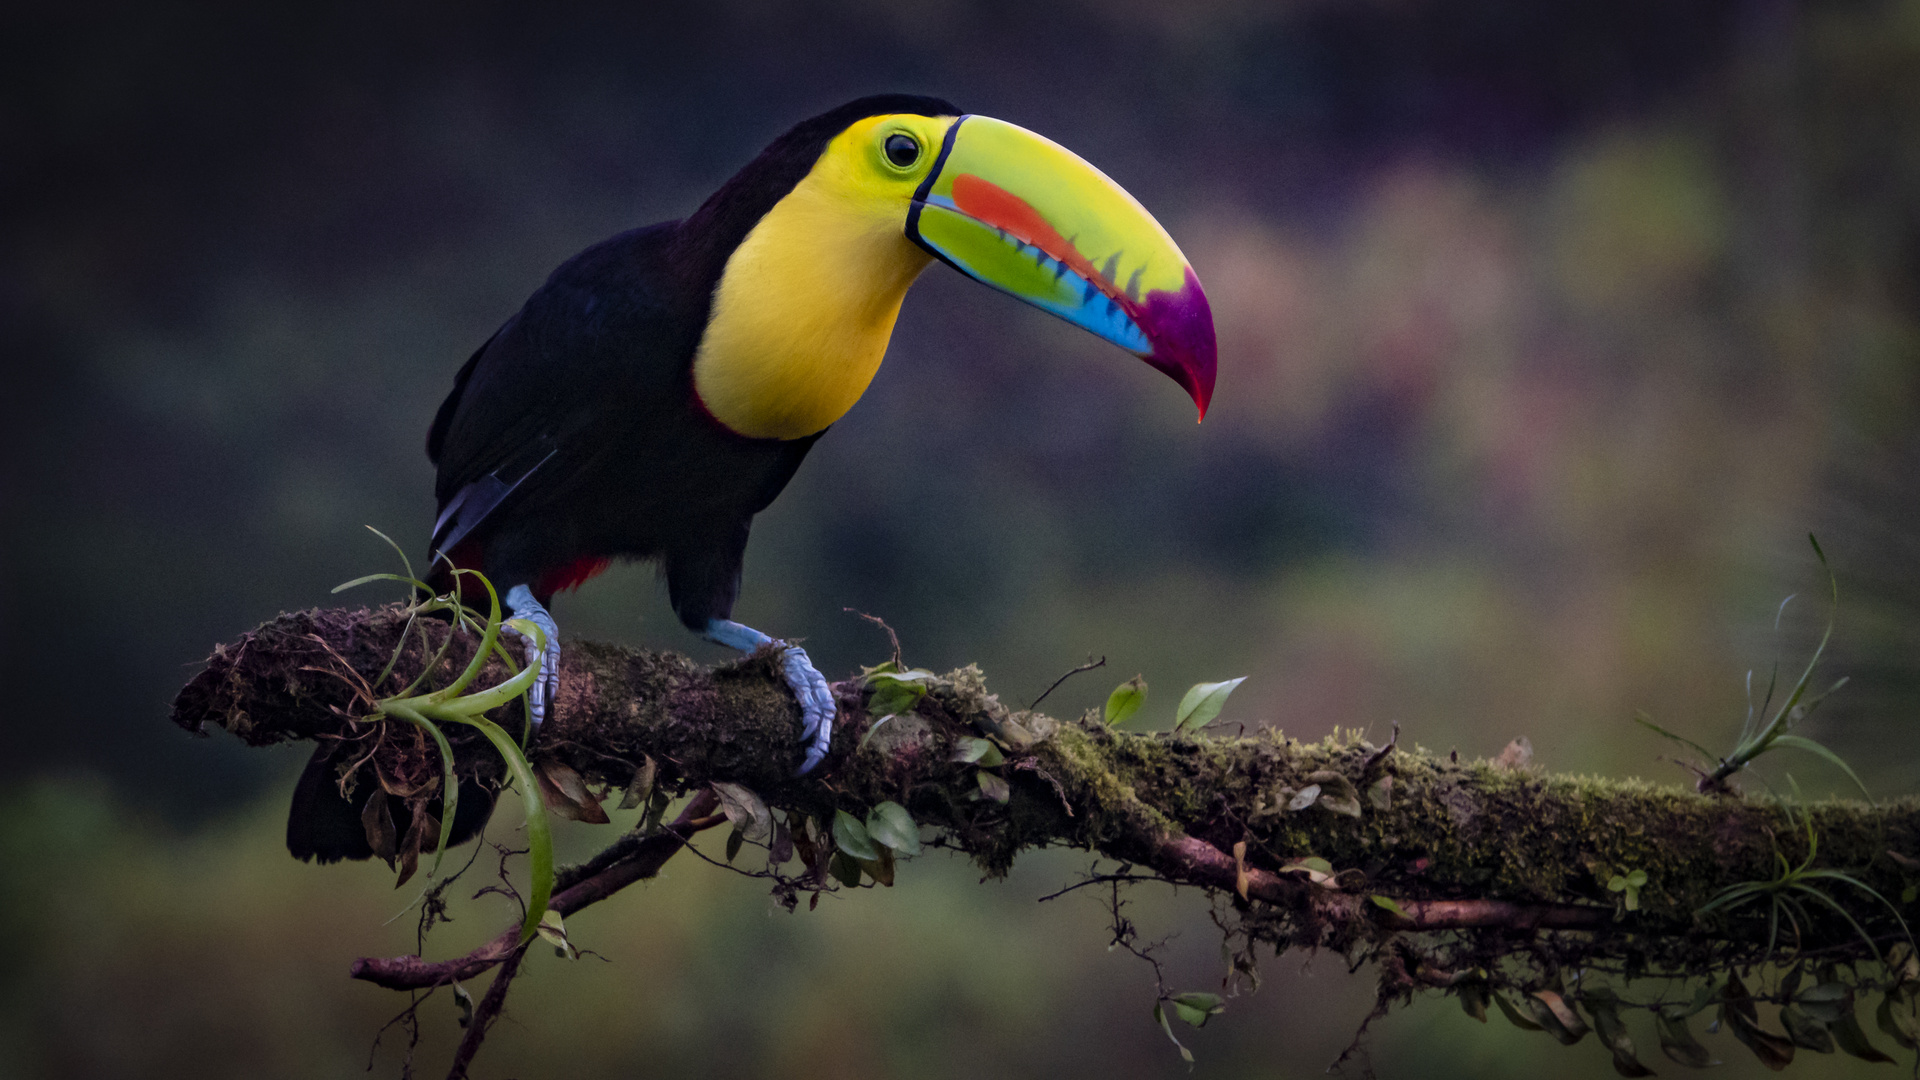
point(1547, 332)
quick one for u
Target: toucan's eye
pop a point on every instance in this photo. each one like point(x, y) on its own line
point(902, 150)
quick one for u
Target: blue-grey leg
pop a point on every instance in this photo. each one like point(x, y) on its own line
point(540, 697)
point(809, 686)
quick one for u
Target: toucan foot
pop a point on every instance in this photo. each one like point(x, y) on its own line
point(808, 685)
point(541, 695)
point(816, 705)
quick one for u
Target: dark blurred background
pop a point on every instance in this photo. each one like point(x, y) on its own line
point(1548, 332)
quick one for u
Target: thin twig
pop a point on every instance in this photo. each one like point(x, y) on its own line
point(891, 636)
point(1088, 666)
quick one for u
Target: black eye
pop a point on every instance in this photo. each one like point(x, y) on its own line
point(902, 150)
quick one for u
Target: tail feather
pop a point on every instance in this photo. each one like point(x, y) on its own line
point(324, 827)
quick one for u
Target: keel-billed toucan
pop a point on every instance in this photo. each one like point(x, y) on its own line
point(662, 387)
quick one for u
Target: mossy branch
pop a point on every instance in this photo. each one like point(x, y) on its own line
point(1415, 845)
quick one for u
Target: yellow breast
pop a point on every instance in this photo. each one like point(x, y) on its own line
point(805, 306)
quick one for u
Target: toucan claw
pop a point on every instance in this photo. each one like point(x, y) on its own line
point(816, 706)
point(808, 685)
point(545, 689)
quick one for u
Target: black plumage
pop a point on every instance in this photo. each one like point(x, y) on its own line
point(574, 436)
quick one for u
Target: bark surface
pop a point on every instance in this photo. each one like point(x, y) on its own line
point(1453, 845)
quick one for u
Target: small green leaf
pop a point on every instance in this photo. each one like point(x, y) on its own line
point(844, 869)
point(968, 750)
point(1337, 793)
point(1827, 1002)
point(993, 787)
point(850, 836)
point(892, 698)
point(1202, 703)
point(1388, 903)
point(464, 1001)
point(554, 930)
point(735, 840)
point(890, 824)
point(1196, 1008)
point(1381, 794)
point(1318, 870)
point(1806, 1032)
point(1160, 1017)
point(1125, 700)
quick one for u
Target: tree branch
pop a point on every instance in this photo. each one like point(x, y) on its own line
point(1448, 846)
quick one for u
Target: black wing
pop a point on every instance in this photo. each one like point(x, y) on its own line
point(532, 408)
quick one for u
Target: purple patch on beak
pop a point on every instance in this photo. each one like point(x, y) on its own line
point(1180, 325)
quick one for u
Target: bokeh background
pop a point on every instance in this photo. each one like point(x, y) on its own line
point(1548, 332)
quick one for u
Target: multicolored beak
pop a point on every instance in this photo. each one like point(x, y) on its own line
point(1024, 214)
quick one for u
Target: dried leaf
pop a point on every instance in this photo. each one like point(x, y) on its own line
point(1473, 999)
point(1304, 798)
point(1240, 878)
point(1517, 755)
point(880, 869)
point(1678, 1043)
point(641, 786)
point(1737, 1014)
point(423, 827)
point(781, 850)
point(746, 810)
point(378, 823)
point(1805, 1032)
point(1519, 1019)
point(1852, 1038)
point(1605, 1008)
point(566, 794)
point(1896, 1018)
point(1557, 1016)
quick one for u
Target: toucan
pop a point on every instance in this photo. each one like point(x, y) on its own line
point(663, 386)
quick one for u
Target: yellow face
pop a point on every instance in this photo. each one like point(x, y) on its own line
point(807, 303)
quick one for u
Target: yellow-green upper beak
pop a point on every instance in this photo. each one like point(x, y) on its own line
point(1029, 217)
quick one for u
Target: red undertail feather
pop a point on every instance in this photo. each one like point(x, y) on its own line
point(571, 576)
